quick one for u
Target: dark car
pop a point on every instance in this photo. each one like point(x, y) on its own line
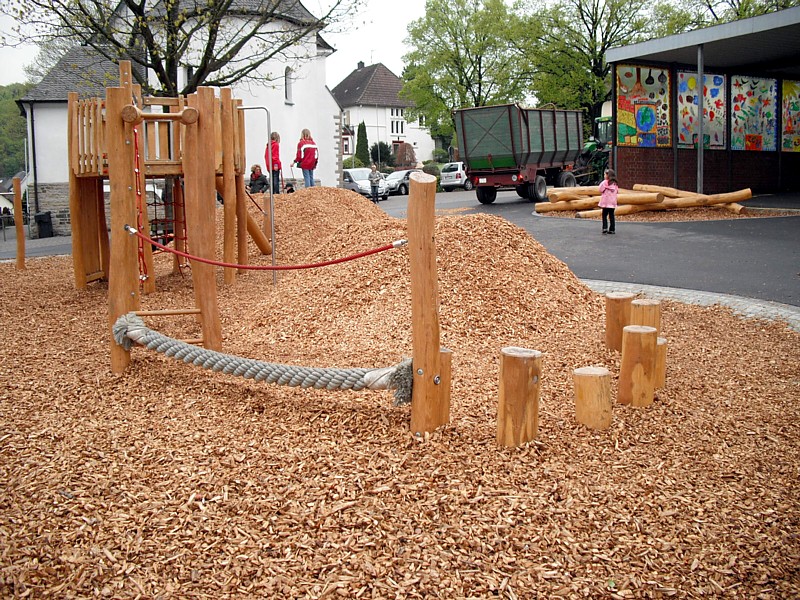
point(397, 182)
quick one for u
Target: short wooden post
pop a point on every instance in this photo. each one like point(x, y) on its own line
point(592, 397)
point(637, 369)
point(18, 225)
point(646, 312)
point(661, 363)
point(618, 314)
point(518, 405)
point(427, 403)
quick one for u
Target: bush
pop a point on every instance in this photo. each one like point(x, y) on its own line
point(441, 155)
point(431, 169)
point(352, 163)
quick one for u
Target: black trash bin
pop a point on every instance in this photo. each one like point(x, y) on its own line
point(44, 223)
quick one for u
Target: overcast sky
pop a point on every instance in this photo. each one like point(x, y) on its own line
point(375, 35)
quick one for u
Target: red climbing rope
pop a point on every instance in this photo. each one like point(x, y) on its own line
point(216, 263)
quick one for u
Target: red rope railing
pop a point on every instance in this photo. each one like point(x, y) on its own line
point(208, 261)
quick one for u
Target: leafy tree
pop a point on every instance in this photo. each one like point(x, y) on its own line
point(679, 16)
point(362, 147)
point(381, 154)
point(572, 37)
point(13, 130)
point(464, 53)
point(218, 42)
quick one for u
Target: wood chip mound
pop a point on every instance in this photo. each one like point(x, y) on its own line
point(170, 481)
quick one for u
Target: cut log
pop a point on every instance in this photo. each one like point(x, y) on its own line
point(661, 363)
point(518, 406)
point(618, 315)
point(734, 207)
point(592, 397)
point(588, 202)
point(638, 365)
point(693, 201)
point(645, 311)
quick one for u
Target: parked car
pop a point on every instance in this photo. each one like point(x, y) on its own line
point(397, 182)
point(454, 176)
point(358, 181)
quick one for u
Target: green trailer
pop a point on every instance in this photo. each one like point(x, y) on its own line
point(526, 149)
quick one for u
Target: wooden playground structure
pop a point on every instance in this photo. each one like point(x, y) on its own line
point(196, 142)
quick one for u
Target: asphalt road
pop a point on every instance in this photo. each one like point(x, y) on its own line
point(755, 258)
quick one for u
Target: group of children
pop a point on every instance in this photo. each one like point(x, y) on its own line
point(306, 158)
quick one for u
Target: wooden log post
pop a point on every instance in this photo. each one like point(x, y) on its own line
point(200, 206)
point(592, 397)
point(429, 402)
point(228, 184)
point(518, 405)
point(18, 224)
point(637, 368)
point(661, 363)
point(646, 311)
point(618, 315)
point(123, 280)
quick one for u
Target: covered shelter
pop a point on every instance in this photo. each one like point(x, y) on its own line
point(743, 77)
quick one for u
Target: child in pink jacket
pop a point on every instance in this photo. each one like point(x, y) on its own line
point(609, 188)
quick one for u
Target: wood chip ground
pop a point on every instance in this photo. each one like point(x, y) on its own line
point(169, 481)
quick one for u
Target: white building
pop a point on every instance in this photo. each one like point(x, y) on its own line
point(372, 95)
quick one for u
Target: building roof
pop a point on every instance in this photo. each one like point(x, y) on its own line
point(374, 85)
point(83, 70)
point(289, 10)
point(764, 45)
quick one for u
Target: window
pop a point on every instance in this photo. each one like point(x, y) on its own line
point(287, 85)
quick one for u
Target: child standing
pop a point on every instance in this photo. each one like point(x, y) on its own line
point(609, 188)
point(273, 149)
point(374, 181)
point(307, 157)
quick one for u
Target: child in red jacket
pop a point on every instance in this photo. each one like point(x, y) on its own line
point(274, 149)
point(307, 157)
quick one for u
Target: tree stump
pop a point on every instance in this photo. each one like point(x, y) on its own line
point(592, 397)
point(518, 406)
point(618, 314)
point(646, 312)
point(637, 369)
point(661, 363)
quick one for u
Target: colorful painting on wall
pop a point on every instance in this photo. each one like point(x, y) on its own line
point(790, 140)
point(714, 118)
point(643, 106)
point(753, 113)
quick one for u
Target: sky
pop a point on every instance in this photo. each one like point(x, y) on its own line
point(374, 35)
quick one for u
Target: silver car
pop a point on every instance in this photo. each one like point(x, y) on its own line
point(397, 182)
point(358, 181)
point(454, 176)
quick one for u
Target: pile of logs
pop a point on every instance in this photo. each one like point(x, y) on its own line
point(641, 198)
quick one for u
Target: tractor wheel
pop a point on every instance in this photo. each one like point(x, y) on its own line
point(486, 195)
point(522, 191)
point(538, 190)
point(567, 179)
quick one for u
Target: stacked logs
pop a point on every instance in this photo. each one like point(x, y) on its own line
point(641, 198)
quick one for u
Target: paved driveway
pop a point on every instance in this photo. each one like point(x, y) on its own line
point(756, 258)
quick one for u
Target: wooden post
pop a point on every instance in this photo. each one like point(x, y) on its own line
point(637, 369)
point(618, 314)
point(18, 224)
point(200, 206)
point(646, 312)
point(228, 184)
point(518, 405)
point(78, 266)
point(123, 281)
point(592, 397)
point(661, 363)
point(427, 404)
point(242, 213)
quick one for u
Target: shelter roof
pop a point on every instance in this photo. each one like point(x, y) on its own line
point(764, 45)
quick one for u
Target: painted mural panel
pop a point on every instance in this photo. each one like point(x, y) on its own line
point(643, 106)
point(714, 105)
point(790, 140)
point(753, 113)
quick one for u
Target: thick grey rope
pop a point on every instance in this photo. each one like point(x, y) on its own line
point(130, 328)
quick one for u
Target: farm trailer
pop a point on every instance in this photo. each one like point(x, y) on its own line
point(526, 149)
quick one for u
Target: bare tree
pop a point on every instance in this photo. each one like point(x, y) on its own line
point(213, 42)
